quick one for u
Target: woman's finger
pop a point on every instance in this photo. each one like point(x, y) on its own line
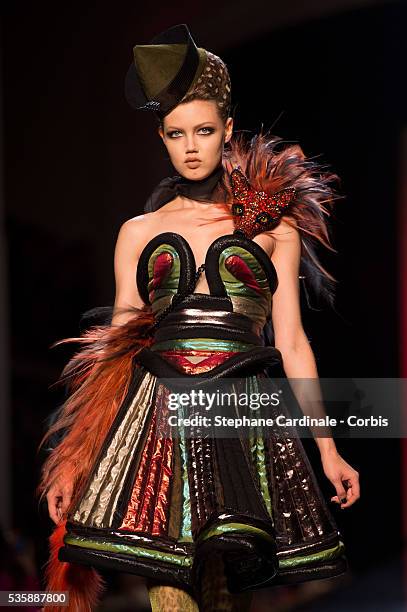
point(55, 499)
point(52, 501)
point(352, 490)
point(53, 512)
point(349, 498)
point(67, 496)
point(340, 490)
point(354, 480)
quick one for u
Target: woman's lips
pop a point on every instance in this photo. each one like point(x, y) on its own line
point(193, 164)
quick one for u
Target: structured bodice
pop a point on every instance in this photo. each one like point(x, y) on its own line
point(240, 275)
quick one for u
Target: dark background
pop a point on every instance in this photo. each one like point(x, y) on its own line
point(78, 162)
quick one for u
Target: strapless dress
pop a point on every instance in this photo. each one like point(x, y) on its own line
point(157, 502)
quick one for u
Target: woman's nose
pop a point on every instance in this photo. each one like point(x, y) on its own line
point(191, 146)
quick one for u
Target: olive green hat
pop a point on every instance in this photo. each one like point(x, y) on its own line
point(164, 71)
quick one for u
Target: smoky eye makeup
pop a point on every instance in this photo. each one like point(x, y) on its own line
point(207, 131)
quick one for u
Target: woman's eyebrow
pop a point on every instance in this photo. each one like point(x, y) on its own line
point(173, 127)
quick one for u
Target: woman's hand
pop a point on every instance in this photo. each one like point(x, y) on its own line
point(58, 498)
point(344, 478)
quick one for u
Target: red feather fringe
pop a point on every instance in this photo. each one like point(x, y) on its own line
point(84, 584)
point(98, 377)
point(270, 168)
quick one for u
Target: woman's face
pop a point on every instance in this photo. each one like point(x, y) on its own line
point(194, 135)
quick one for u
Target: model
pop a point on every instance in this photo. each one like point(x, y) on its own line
point(207, 289)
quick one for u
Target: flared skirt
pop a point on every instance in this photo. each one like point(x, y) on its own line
point(160, 501)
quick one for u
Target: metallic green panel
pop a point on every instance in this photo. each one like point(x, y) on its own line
point(235, 528)
point(247, 301)
point(204, 344)
point(237, 287)
point(258, 453)
point(328, 554)
point(323, 555)
point(170, 283)
point(126, 549)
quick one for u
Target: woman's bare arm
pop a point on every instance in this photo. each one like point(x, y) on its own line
point(299, 361)
point(290, 338)
point(125, 265)
point(127, 252)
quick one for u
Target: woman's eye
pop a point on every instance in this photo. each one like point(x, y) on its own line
point(171, 134)
point(209, 130)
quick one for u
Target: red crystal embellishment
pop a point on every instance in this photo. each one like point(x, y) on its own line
point(256, 211)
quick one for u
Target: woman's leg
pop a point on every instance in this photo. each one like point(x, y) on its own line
point(214, 596)
point(170, 599)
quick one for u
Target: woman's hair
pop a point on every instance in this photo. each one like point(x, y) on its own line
point(213, 84)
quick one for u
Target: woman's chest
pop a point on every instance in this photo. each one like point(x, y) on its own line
point(229, 265)
point(201, 235)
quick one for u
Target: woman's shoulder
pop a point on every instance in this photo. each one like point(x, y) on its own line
point(138, 230)
point(152, 220)
point(140, 223)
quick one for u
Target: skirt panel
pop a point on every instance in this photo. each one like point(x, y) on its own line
point(159, 505)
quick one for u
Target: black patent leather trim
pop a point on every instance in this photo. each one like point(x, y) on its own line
point(187, 262)
point(214, 279)
point(229, 320)
point(120, 536)
point(206, 331)
point(162, 571)
point(229, 515)
point(318, 544)
point(205, 302)
point(182, 576)
point(247, 362)
point(296, 575)
point(250, 561)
